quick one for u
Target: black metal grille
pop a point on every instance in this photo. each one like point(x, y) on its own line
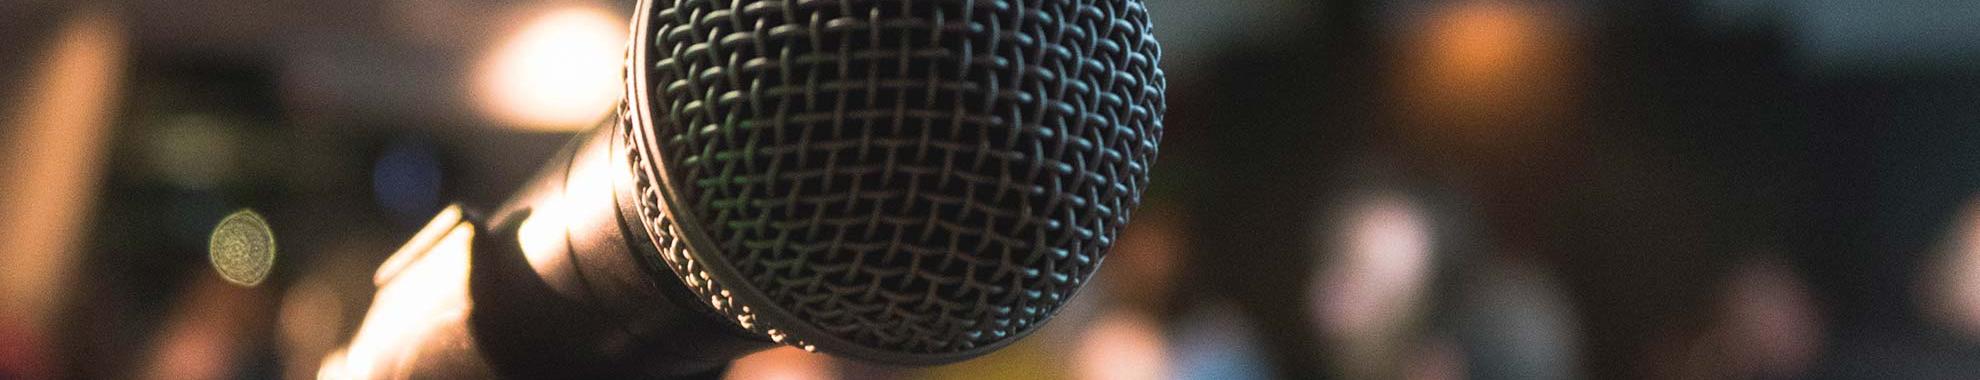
point(910, 176)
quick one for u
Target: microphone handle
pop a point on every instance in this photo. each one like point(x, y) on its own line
point(561, 281)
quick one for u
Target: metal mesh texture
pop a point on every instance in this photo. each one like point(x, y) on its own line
point(911, 176)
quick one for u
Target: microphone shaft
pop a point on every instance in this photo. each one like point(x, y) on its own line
point(556, 282)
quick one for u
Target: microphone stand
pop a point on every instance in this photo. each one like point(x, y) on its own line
point(561, 281)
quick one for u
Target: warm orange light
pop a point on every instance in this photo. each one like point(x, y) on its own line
point(1482, 43)
point(782, 363)
point(560, 72)
point(55, 145)
point(1486, 72)
point(1122, 345)
point(310, 321)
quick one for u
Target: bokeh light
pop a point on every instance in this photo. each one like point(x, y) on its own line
point(1770, 322)
point(1382, 265)
point(1218, 342)
point(1372, 287)
point(1437, 359)
point(54, 133)
point(559, 72)
point(1122, 345)
point(406, 179)
point(1485, 74)
point(311, 320)
point(242, 248)
point(1951, 284)
point(1514, 321)
point(194, 151)
point(782, 363)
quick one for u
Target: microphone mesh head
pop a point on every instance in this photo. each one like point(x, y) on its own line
point(908, 181)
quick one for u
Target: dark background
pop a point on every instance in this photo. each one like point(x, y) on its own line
point(1494, 189)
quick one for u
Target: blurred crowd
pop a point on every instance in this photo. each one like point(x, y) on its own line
point(1348, 189)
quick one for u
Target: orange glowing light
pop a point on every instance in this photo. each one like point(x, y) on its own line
point(560, 72)
point(1122, 346)
point(782, 363)
point(1483, 72)
point(1481, 43)
point(55, 149)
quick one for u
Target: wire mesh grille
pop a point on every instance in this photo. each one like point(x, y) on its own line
point(910, 176)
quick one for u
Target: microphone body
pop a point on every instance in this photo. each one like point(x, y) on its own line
point(897, 181)
point(551, 284)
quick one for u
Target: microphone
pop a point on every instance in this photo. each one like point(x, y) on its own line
point(896, 181)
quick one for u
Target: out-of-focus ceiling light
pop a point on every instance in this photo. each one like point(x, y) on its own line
point(1487, 75)
point(559, 72)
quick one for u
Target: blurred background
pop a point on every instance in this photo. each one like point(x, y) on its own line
point(1349, 189)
